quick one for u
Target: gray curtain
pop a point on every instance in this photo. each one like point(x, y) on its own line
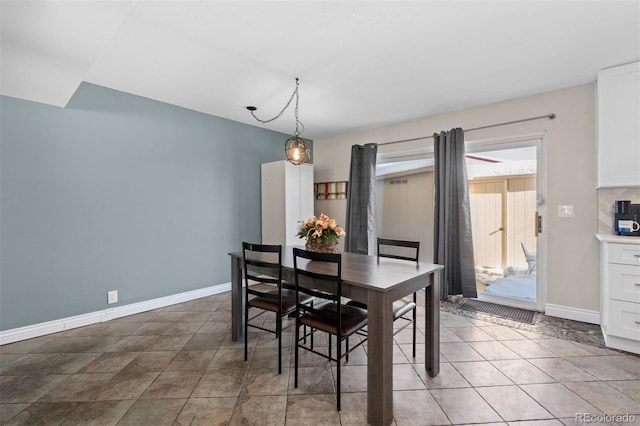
point(453, 242)
point(361, 225)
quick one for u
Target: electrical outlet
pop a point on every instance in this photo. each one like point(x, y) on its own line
point(112, 297)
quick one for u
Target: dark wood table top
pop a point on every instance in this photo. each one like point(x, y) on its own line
point(369, 272)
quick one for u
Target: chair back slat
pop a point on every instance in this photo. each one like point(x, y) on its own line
point(261, 264)
point(401, 244)
point(263, 248)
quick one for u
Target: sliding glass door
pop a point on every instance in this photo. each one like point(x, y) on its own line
point(505, 190)
point(506, 185)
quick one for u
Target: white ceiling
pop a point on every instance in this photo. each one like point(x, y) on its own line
point(361, 64)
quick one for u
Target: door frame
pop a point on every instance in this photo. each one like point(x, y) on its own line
point(537, 139)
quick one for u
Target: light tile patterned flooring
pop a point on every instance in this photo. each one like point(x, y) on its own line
point(177, 365)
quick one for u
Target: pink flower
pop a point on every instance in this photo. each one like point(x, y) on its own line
point(323, 229)
point(323, 221)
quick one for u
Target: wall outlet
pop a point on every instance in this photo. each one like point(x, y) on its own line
point(112, 296)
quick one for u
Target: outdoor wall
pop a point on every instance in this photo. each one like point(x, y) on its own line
point(404, 210)
point(572, 260)
point(119, 192)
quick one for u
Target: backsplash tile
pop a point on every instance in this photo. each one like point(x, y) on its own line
point(606, 200)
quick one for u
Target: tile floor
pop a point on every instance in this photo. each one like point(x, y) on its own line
point(177, 365)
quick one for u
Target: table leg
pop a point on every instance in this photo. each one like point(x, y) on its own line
point(432, 324)
point(380, 359)
point(237, 329)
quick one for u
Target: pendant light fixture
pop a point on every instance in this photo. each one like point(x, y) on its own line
point(296, 149)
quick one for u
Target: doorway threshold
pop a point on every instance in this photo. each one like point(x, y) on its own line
point(507, 312)
point(508, 301)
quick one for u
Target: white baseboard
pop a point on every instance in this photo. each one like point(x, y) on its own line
point(56, 326)
point(575, 314)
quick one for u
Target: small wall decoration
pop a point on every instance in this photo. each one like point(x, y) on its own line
point(331, 190)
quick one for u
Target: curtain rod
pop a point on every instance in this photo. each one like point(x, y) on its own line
point(549, 116)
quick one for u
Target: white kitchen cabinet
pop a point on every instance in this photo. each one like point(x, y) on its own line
point(287, 198)
point(620, 292)
point(618, 100)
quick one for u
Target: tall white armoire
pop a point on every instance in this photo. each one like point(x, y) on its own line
point(287, 199)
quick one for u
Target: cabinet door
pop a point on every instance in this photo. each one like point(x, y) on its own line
point(624, 320)
point(625, 254)
point(273, 195)
point(307, 197)
point(299, 199)
point(624, 282)
point(618, 91)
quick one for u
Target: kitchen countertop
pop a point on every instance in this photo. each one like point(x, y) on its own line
point(610, 238)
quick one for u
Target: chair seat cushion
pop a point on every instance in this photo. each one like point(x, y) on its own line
point(353, 319)
point(400, 307)
point(269, 304)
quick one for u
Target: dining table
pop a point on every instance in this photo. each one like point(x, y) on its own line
point(377, 282)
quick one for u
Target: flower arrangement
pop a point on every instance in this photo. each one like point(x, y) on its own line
point(321, 231)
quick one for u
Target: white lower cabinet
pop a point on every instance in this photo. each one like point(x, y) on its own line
point(624, 282)
point(620, 292)
point(624, 320)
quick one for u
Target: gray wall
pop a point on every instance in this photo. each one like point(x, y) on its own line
point(119, 192)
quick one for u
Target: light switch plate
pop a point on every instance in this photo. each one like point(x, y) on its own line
point(565, 211)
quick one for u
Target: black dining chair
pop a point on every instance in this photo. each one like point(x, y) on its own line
point(264, 290)
point(319, 275)
point(403, 250)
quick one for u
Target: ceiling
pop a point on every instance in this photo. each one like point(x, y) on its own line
point(361, 64)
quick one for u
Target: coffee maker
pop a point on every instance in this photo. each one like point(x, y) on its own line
point(626, 220)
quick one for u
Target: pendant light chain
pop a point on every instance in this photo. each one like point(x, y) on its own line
point(296, 149)
point(298, 122)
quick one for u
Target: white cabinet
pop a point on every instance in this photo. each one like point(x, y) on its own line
point(287, 198)
point(618, 100)
point(620, 292)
